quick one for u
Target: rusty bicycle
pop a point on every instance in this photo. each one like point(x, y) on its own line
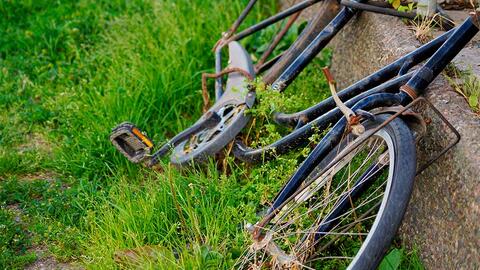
point(343, 205)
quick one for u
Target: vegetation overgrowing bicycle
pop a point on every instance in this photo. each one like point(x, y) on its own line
point(354, 186)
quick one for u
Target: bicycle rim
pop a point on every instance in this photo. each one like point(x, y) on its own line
point(329, 225)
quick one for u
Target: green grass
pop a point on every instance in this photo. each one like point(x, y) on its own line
point(70, 71)
point(467, 84)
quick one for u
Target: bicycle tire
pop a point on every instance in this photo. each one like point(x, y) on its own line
point(402, 186)
point(391, 207)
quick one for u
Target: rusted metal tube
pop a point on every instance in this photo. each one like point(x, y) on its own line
point(278, 38)
point(377, 9)
point(267, 65)
point(275, 18)
point(328, 104)
point(242, 16)
point(226, 35)
point(442, 57)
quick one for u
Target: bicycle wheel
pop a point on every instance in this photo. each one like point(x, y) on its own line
point(348, 215)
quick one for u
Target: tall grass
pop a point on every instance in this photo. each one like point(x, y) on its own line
point(76, 69)
point(150, 66)
point(70, 71)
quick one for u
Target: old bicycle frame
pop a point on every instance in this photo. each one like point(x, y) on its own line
point(412, 85)
point(379, 89)
point(225, 119)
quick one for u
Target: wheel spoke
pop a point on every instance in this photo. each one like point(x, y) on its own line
point(339, 206)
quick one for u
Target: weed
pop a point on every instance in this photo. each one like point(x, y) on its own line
point(399, 258)
point(14, 241)
point(396, 4)
point(423, 27)
point(468, 85)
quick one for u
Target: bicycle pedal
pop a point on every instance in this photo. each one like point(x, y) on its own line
point(131, 142)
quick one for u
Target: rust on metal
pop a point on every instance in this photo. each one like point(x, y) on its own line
point(303, 118)
point(226, 35)
point(261, 68)
point(352, 119)
point(205, 76)
point(450, 127)
point(271, 215)
point(242, 16)
point(414, 120)
point(328, 75)
point(278, 38)
point(409, 91)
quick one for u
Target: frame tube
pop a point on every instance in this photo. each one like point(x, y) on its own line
point(311, 51)
point(377, 9)
point(328, 104)
point(400, 66)
point(275, 18)
point(443, 56)
point(332, 138)
point(300, 136)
